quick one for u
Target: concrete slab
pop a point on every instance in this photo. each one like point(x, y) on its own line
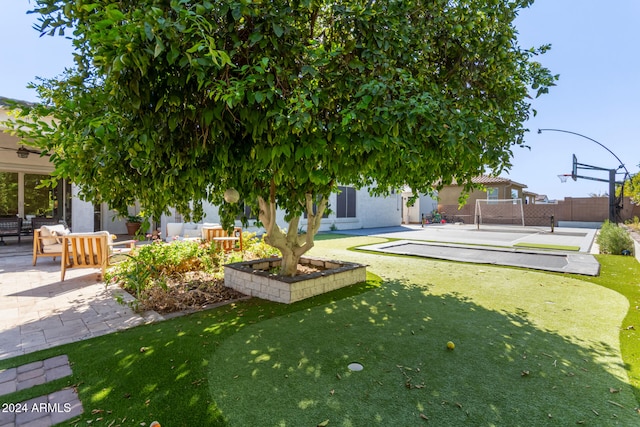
point(489, 235)
point(564, 262)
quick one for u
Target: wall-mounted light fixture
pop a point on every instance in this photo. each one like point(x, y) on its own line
point(23, 153)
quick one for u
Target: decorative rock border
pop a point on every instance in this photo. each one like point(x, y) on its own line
point(253, 278)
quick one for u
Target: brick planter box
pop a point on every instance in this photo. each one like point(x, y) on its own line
point(253, 278)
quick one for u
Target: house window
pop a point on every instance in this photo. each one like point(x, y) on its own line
point(514, 194)
point(492, 193)
point(38, 200)
point(325, 214)
point(346, 202)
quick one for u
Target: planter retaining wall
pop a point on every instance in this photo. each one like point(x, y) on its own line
point(253, 278)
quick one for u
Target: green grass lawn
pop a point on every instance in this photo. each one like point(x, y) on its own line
point(546, 246)
point(531, 349)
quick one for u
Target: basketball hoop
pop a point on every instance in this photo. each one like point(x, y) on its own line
point(563, 177)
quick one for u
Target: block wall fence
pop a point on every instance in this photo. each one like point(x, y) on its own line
point(586, 209)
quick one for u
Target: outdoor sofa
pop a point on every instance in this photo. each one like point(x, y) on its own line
point(187, 230)
point(10, 227)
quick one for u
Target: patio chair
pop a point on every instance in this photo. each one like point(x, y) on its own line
point(224, 241)
point(90, 250)
point(47, 241)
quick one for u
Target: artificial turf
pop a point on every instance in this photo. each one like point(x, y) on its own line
point(546, 246)
point(531, 349)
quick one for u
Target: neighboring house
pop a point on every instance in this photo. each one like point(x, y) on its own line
point(495, 188)
point(23, 168)
point(544, 199)
point(530, 198)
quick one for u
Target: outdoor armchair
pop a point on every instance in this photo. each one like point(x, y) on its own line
point(47, 241)
point(227, 242)
point(90, 250)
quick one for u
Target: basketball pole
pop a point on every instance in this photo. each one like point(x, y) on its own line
point(613, 203)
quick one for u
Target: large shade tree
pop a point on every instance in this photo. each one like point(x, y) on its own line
point(172, 102)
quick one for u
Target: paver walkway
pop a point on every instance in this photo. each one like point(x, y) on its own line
point(37, 311)
point(42, 411)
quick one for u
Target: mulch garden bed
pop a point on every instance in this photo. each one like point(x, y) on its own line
point(196, 290)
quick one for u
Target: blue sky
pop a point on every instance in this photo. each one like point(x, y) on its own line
point(594, 49)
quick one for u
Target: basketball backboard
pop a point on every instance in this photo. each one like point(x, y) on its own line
point(574, 170)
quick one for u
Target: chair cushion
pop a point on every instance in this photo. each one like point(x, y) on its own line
point(51, 234)
point(52, 249)
point(190, 230)
point(174, 229)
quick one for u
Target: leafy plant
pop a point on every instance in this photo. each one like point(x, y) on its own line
point(254, 248)
point(134, 218)
point(613, 239)
point(153, 263)
point(634, 224)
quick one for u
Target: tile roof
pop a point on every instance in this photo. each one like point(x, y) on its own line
point(6, 102)
point(485, 180)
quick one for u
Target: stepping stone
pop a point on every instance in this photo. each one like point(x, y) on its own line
point(32, 374)
point(41, 411)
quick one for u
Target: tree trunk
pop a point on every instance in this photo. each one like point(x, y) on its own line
point(289, 266)
point(291, 244)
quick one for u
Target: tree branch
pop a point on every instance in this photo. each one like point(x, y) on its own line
point(265, 215)
point(292, 233)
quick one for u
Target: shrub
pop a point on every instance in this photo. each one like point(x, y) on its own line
point(151, 265)
point(613, 239)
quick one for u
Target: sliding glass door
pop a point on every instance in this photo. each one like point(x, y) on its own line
point(8, 193)
point(25, 195)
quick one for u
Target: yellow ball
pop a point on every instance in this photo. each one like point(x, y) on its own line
point(155, 424)
point(451, 345)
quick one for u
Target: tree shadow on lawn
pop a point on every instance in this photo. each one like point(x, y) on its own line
point(160, 371)
point(293, 370)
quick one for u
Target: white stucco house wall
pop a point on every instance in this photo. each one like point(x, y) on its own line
point(366, 212)
point(423, 207)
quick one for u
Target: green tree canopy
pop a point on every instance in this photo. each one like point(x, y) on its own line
point(632, 187)
point(173, 101)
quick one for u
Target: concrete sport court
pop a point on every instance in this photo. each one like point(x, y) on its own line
point(492, 244)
